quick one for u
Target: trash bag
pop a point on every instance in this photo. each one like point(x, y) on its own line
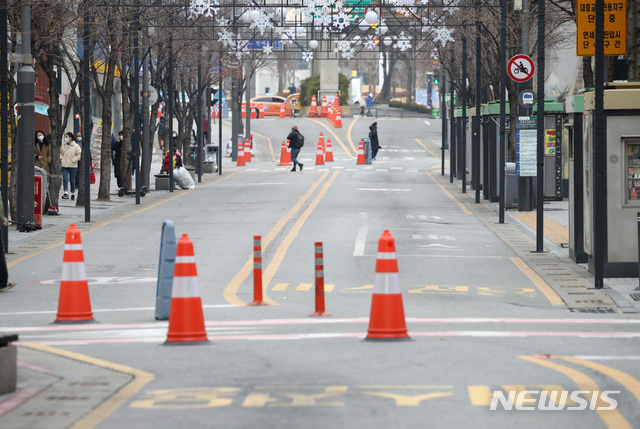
point(183, 178)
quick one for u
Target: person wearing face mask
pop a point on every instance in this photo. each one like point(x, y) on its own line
point(79, 141)
point(116, 153)
point(70, 154)
point(43, 151)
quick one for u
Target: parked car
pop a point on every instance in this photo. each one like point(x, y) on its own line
point(271, 105)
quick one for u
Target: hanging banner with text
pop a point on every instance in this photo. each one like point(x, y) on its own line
point(615, 27)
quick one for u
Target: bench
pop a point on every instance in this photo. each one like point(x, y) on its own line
point(8, 364)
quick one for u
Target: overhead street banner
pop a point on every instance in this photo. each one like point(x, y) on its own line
point(615, 27)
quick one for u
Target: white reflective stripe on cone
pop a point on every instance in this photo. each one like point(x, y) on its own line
point(185, 287)
point(73, 271)
point(185, 259)
point(73, 247)
point(386, 255)
point(386, 283)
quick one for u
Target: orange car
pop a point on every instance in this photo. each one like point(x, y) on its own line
point(271, 105)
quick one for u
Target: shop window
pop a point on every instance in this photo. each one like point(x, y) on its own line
point(632, 187)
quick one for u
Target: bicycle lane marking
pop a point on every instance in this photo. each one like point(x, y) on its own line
point(611, 418)
point(105, 223)
point(230, 292)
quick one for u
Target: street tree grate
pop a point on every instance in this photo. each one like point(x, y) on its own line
point(595, 310)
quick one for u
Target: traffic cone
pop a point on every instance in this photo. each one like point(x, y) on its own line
point(74, 304)
point(283, 154)
point(247, 150)
point(386, 321)
point(253, 111)
point(323, 109)
point(288, 154)
point(313, 113)
point(244, 109)
point(319, 156)
point(241, 161)
point(338, 121)
point(186, 319)
point(361, 160)
point(282, 113)
point(329, 155)
point(321, 143)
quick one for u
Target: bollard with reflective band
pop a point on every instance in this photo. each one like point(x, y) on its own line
point(74, 303)
point(165, 270)
point(257, 271)
point(186, 319)
point(387, 321)
point(319, 277)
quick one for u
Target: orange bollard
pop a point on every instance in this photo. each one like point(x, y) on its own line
point(186, 319)
point(74, 304)
point(313, 112)
point(247, 150)
point(240, 159)
point(386, 321)
point(319, 269)
point(329, 155)
point(361, 160)
point(257, 271)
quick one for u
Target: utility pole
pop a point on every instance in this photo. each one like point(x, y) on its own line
point(26, 123)
point(4, 117)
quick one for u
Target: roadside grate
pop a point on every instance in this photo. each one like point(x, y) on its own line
point(595, 310)
point(635, 296)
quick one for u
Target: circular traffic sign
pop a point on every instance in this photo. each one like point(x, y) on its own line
point(520, 68)
point(527, 98)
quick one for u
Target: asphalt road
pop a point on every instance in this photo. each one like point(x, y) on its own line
point(478, 322)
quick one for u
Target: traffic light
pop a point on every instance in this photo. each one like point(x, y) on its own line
point(435, 79)
point(376, 40)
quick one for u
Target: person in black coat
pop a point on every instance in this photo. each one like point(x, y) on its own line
point(373, 138)
point(294, 144)
point(116, 153)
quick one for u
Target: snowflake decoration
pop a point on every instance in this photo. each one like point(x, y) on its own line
point(342, 20)
point(262, 21)
point(226, 37)
point(239, 49)
point(442, 35)
point(325, 34)
point(369, 42)
point(267, 50)
point(307, 56)
point(288, 36)
point(223, 21)
point(349, 54)
point(321, 21)
point(342, 46)
point(403, 43)
point(203, 8)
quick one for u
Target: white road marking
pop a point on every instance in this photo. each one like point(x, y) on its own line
point(438, 245)
point(427, 122)
point(361, 237)
point(105, 310)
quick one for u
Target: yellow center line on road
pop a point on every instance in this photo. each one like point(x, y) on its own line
point(106, 408)
point(103, 224)
point(335, 137)
point(537, 281)
point(349, 135)
point(627, 381)
point(231, 291)
point(427, 149)
point(281, 252)
point(450, 195)
point(611, 418)
point(269, 145)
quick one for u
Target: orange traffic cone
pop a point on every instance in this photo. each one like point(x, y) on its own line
point(319, 155)
point(386, 321)
point(288, 154)
point(74, 304)
point(323, 109)
point(321, 142)
point(247, 151)
point(329, 155)
point(240, 159)
point(244, 109)
point(338, 121)
point(313, 113)
point(282, 113)
point(361, 160)
point(283, 154)
point(186, 319)
point(253, 110)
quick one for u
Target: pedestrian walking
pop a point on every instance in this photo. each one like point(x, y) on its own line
point(296, 141)
point(369, 102)
point(70, 154)
point(116, 156)
point(5, 284)
point(363, 103)
point(160, 131)
point(43, 151)
point(373, 139)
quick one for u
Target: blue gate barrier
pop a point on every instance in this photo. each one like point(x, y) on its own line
point(165, 270)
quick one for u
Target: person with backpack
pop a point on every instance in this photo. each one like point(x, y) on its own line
point(296, 141)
